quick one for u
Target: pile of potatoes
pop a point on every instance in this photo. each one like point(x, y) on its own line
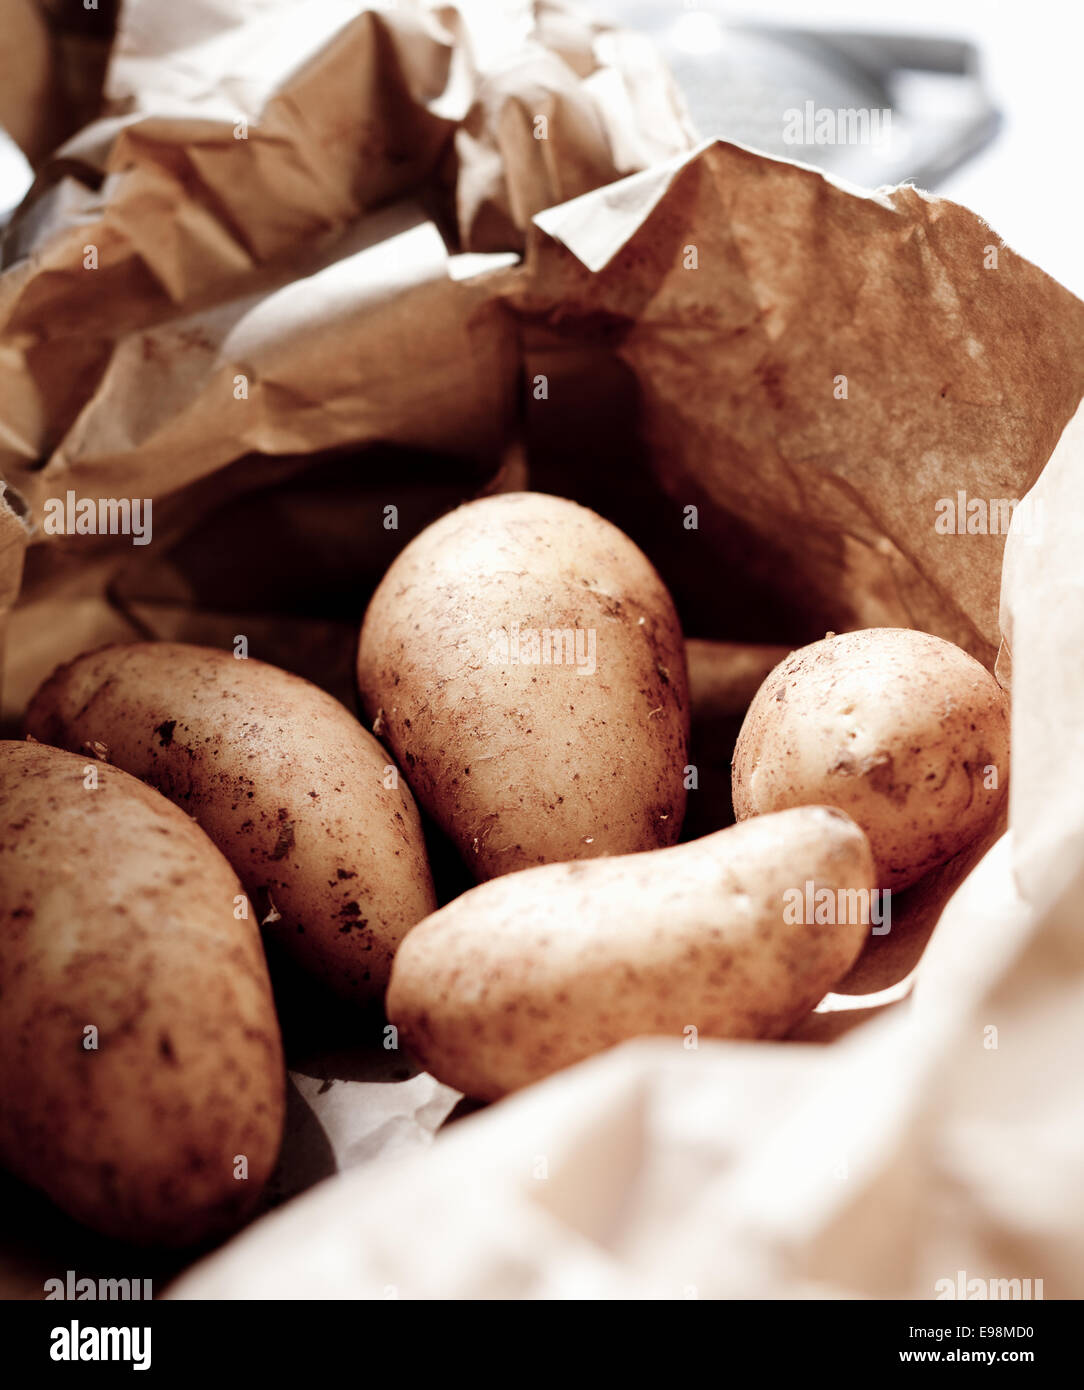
point(523, 670)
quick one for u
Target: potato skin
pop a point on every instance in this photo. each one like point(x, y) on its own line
point(891, 725)
point(116, 911)
point(528, 764)
point(531, 972)
point(283, 779)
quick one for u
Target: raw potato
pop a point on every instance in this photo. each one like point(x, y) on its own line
point(530, 973)
point(903, 731)
point(530, 762)
point(283, 779)
point(118, 914)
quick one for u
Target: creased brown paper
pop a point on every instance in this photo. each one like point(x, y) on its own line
point(219, 161)
point(745, 296)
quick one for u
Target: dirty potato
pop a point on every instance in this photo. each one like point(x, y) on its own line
point(903, 731)
point(140, 1060)
point(536, 970)
point(524, 662)
point(300, 799)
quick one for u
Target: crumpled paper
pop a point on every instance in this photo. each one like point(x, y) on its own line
point(673, 340)
point(744, 295)
point(224, 152)
point(285, 212)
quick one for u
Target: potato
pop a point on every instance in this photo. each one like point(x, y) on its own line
point(530, 973)
point(525, 664)
point(903, 731)
point(141, 1065)
point(283, 779)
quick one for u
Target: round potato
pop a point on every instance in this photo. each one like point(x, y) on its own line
point(737, 935)
point(524, 662)
point(295, 793)
point(140, 1060)
point(903, 731)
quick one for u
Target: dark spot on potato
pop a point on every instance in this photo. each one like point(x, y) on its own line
point(165, 732)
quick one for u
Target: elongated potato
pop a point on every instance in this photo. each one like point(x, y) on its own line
point(904, 731)
point(141, 1074)
point(525, 664)
point(283, 779)
point(532, 972)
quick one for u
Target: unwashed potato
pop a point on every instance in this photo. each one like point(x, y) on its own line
point(141, 1073)
point(284, 780)
point(523, 760)
point(530, 973)
point(903, 731)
